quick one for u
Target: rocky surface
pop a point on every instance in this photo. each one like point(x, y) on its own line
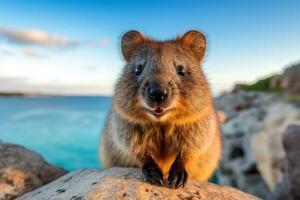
point(248, 115)
point(233, 103)
point(238, 165)
point(126, 183)
point(22, 170)
point(245, 112)
point(288, 189)
point(267, 145)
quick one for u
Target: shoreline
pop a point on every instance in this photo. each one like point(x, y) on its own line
point(17, 94)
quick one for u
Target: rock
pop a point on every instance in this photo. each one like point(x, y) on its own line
point(235, 102)
point(22, 170)
point(248, 121)
point(288, 189)
point(126, 183)
point(290, 80)
point(252, 165)
point(238, 165)
point(245, 111)
point(266, 144)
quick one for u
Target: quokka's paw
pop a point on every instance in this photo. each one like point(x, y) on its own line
point(153, 173)
point(177, 175)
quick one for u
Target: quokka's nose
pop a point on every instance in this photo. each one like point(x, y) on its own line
point(157, 92)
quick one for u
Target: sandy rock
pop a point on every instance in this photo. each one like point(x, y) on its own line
point(266, 144)
point(22, 170)
point(126, 183)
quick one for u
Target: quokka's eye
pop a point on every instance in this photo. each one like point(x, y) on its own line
point(138, 70)
point(180, 70)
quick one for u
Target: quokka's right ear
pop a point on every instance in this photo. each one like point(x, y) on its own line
point(130, 41)
point(196, 41)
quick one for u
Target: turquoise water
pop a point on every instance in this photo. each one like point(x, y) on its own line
point(64, 130)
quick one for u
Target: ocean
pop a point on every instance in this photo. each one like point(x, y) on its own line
point(64, 130)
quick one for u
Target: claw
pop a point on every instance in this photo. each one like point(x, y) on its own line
point(153, 173)
point(177, 175)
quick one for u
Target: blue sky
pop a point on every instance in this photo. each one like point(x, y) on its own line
point(72, 47)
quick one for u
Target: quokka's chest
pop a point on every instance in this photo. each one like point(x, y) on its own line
point(163, 148)
point(166, 154)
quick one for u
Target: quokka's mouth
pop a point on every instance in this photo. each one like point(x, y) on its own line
point(158, 112)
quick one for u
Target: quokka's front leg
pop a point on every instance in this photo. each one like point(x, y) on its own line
point(177, 175)
point(152, 171)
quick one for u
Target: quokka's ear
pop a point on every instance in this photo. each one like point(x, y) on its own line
point(196, 41)
point(130, 41)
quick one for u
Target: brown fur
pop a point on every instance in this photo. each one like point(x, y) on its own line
point(190, 129)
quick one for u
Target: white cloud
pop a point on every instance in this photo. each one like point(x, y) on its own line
point(43, 39)
point(36, 37)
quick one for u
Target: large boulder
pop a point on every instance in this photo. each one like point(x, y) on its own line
point(252, 133)
point(22, 170)
point(266, 144)
point(126, 183)
point(245, 112)
point(288, 189)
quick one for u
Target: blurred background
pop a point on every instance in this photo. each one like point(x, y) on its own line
point(59, 61)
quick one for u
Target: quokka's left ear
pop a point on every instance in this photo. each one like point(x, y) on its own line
point(130, 41)
point(196, 41)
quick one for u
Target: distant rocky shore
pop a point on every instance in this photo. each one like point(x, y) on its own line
point(20, 94)
point(286, 82)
